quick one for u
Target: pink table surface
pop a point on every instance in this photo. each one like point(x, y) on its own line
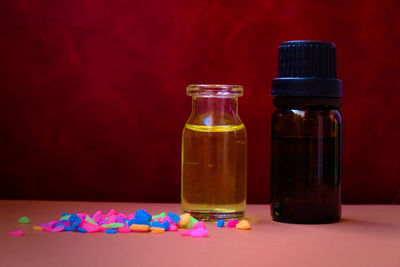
point(368, 235)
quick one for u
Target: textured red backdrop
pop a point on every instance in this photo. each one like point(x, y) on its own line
point(93, 92)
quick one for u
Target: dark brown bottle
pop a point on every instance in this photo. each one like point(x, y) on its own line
point(306, 135)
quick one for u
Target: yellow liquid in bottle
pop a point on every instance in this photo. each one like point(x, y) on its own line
point(214, 171)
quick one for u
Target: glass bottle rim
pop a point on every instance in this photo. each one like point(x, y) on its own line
point(214, 90)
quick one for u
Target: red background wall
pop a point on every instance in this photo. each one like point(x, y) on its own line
point(93, 92)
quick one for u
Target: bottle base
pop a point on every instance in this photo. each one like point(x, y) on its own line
point(308, 221)
point(215, 216)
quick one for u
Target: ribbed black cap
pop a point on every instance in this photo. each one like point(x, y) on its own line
point(307, 68)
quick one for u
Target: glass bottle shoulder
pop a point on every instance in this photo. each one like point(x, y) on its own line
point(214, 111)
point(306, 121)
point(304, 113)
point(215, 114)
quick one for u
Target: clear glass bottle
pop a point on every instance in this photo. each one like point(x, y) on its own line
point(306, 135)
point(214, 154)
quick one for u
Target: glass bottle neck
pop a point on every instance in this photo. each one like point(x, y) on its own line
point(211, 111)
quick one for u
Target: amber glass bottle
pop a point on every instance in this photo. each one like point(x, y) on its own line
point(306, 135)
